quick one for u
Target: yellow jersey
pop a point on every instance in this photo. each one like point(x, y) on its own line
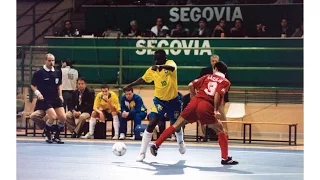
point(100, 103)
point(165, 81)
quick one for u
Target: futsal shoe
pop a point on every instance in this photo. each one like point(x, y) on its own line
point(229, 161)
point(182, 147)
point(154, 150)
point(47, 133)
point(56, 137)
point(87, 136)
point(122, 136)
point(57, 140)
point(141, 157)
point(74, 135)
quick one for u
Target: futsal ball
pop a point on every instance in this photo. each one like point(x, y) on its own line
point(119, 149)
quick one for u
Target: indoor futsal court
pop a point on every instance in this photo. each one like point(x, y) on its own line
point(93, 160)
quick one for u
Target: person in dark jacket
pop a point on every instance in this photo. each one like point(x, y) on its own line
point(81, 107)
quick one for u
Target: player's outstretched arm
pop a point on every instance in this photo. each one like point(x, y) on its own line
point(167, 67)
point(134, 83)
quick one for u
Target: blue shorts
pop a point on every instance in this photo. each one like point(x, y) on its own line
point(171, 108)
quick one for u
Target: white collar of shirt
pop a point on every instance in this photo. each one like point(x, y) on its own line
point(201, 31)
point(219, 74)
point(154, 29)
point(45, 68)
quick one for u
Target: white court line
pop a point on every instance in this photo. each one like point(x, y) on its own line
point(190, 149)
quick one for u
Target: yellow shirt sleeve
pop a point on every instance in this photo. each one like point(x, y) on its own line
point(172, 63)
point(147, 77)
point(96, 103)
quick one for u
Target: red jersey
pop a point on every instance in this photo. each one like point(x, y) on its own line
point(207, 85)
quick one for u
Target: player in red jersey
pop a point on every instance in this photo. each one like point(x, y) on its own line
point(207, 93)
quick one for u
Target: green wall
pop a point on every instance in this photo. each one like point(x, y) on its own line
point(233, 58)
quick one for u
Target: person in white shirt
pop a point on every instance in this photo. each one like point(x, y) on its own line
point(160, 30)
point(69, 82)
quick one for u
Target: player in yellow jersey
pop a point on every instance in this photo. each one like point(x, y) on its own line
point(166, 98)
point(106, 105)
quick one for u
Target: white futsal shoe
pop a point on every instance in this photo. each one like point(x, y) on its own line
point(122, 136)
point(87, 136)
point(115, 137)
point(141, 157)
point(182, 147)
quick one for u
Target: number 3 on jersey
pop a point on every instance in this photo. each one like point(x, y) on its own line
point(212, 86)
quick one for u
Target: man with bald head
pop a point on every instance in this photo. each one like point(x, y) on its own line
point(46, 85)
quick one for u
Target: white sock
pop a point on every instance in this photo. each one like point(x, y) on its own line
point(179, 136)
point(92, 125)
point(116, 125)
point(146, 139)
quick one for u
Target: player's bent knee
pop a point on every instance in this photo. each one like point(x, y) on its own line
point(152, 124)
point(61, 116)
point(179, 123)
point(52, 117)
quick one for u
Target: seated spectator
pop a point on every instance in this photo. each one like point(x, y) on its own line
point(298, 32)
point(133, 30)
point(81, 107)
point(202, 31)
point(220, 29)
point(106, 105)
point(179, 31)
point(160, 30)
point(68, 29)
point(284, 30)
point(132, 108)
point(260, 31)
point(238, 29)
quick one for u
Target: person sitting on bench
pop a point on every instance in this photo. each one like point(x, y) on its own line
point(132, 108)
point(106, 105)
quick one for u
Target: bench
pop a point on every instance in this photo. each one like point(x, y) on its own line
point(249, 124)
point(86, 128)
point(243, 123)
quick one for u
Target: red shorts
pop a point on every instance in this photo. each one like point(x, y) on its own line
point(199, 109)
